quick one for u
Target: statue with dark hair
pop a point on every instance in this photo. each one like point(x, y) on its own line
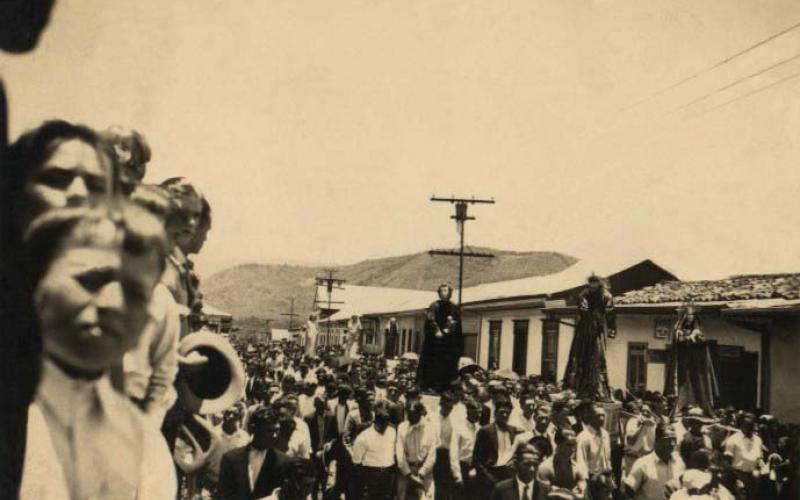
point(586, 372)
point(442, 346)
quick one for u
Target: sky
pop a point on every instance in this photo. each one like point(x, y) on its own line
point(319, 130)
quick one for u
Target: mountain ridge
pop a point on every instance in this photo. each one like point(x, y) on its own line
point(263, 291)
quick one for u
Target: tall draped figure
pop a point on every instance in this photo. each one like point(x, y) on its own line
point(442, 346)
point(586, 372)
point(690, 371)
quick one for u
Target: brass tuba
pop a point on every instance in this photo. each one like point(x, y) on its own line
point(215, 385)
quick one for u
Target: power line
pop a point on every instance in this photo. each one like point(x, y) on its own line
point(714, 66)
point(737, 82)
point(753, 92)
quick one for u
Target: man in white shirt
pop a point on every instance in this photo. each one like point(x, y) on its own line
point(640, 436)
point(416, 455)
point(542, 428)
point(374, 457)
point(594, 452)
point(656, 475)
point(151, 366)
point(462, 445)
point(745, 451)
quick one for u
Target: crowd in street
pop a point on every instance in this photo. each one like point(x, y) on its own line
point(360, 428)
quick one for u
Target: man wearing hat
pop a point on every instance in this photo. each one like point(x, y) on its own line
point(657, 473)
point(694, 439)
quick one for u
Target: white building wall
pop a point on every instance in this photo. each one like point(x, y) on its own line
point(640, 328)
point(631, 328)
point(534, 352)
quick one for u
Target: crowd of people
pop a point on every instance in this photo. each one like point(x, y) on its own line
point(361, 428)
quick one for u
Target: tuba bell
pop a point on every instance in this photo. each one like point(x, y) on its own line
point(215, 385)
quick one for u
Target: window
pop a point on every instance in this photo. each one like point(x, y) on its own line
point(495, 330)
point(637, 367)
point(519, 361)
point(550, 349)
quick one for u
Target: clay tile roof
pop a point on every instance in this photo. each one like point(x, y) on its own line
point(735, 288)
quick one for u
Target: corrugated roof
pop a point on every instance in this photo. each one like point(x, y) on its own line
point(742, 288)
point(361, 300)
point(571, 277)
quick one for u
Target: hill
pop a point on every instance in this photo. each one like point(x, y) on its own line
point(263, 290)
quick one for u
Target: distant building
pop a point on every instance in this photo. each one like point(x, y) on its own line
point(217, 320)
point(369, 302)
point(281, 334)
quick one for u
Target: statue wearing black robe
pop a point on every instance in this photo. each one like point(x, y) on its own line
point(438, 362)
point(586, 372)
point(690, 372)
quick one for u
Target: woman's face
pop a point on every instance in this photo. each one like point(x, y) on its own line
point(92, 305)
point(72, 175)
point(185, 234)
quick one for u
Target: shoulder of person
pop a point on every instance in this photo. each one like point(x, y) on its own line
point(506, 484)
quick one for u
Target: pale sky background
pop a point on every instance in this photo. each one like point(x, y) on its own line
point(319, 129)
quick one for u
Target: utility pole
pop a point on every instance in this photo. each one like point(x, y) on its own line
point(331, 284)
point(461, 218)
point(291, 313)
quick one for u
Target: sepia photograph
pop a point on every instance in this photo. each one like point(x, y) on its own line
point(399, 250)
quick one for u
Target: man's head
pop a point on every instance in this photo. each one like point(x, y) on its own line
point(446, 402)
point(319, 405)
point(502, 411)
point(382, 416)
point(416, 410)
point(526, 461)
point(542, 418)
point(392, 392)
point(264, 425)
point(748, 424)
point(444, 292)
point(94, 271)
point(594, 282)
point(665, 441)
point(528, 404)
point(596, 417)
point(343, 393)
point(566, 442)
point(230, 421)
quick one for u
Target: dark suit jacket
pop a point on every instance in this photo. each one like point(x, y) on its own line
point(507, 490)
point(234, 476)
point(330, 432)
point(484, 455)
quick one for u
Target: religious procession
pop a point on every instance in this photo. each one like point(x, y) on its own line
point(583, 381)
